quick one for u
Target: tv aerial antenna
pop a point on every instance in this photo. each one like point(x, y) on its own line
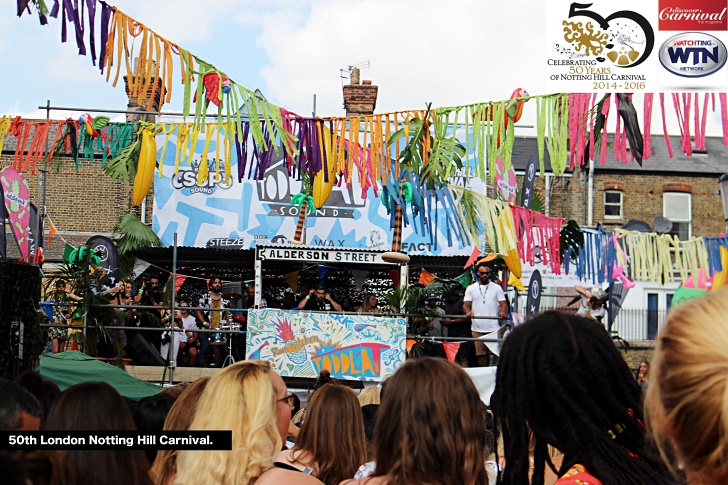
point(346, 72)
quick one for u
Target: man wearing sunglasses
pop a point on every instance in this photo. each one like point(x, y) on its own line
point(484, 299)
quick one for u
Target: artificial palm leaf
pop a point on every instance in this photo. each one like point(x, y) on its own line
point(571, 239)
point(470, 211)
point(123, 167)
point(631, 126)
point(598, 127)
point(134, 234)
point(57, 153)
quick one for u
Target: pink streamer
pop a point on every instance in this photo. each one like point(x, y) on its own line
point(591, 129)
point(535, 229)
point(605, 135)
point(646, 151)
point(701, 143)
point(664, 125)
point(724, 117)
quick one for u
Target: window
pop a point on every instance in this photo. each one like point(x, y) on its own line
point(677, 206)
point(613, 204)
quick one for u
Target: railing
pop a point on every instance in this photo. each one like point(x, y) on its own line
point(633, 323)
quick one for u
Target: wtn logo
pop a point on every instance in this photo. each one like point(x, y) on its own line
point(692, 54)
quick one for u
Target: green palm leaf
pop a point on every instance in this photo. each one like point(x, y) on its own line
point(123, 166)
point(571, 238)
point(134, 234)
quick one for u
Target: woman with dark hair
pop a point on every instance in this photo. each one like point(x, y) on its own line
point(561, 377)
point(321, 449)
point(429, 428)
point(96, 406)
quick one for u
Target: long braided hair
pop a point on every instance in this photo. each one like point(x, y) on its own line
point(561, 377)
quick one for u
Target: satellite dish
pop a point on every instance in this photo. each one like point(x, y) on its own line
point(636, 225)
point(662, 225)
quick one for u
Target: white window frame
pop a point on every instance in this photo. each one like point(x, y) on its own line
point(687, 198)
point(621, 204)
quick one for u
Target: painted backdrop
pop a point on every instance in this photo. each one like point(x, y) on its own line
point(229, 214)
point(301, 344)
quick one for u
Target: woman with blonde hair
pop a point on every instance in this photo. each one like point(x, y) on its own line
point(370, 395)
point(687, 399)
point(178, 419)
point(322, 449)
point(249, 399)
point(369, 305)
point(430, 428)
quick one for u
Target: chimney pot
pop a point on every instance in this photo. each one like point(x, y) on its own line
point(355, 75)
point(367, 82)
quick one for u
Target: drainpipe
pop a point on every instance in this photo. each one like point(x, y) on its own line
point(590, 202)
point(548, 195)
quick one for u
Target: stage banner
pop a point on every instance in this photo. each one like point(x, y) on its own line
point(17, 204)
point(351, 347)
point(227, 214)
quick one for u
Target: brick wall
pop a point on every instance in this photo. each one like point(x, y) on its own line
point(642, 199)
point(84, 201)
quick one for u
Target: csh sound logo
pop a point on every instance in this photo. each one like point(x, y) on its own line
point(186, 178)
point(692, 54)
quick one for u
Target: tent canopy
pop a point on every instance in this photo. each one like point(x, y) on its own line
point(69, 368)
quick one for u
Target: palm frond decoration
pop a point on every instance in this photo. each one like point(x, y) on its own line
point(133, 234)
point(631, 126)
point(571, 239)
point(470, 211)
point(57, 154)
point(123, 167)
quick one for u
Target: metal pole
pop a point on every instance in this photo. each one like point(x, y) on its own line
point(174, 302)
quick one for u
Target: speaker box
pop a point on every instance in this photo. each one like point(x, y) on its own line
point(142, 352)
point(235, 292)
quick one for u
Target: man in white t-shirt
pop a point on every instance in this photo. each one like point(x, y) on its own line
point(592, 303)
point(484, 299)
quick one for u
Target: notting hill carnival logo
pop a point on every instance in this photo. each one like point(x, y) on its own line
point(692, 54)
point(186, 178)
point(693, 15)
point(623, 39)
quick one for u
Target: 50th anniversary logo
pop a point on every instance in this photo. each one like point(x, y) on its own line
point(628, 46)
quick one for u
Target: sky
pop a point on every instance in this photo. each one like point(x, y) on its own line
point(447, 53)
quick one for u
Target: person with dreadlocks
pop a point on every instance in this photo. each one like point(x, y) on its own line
point(561, 377)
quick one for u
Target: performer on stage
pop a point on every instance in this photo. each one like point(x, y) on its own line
point(212, 319)
point(319, 299)
point(484, 299)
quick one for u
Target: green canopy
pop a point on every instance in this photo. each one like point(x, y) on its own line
point(69, 368)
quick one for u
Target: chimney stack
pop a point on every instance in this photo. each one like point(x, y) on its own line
point(360, 99)
point(155, 92)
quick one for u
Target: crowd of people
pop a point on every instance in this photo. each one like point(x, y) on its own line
point(566, 409)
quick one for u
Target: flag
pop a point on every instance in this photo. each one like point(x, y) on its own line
point(52, 231)
point(411, 342)
point(17, 204)
point(67, 253)
point(292, 280)
point(140, 266)
point(451, 350)
point(179, 281)
point(394, 274)
point(492, 346)
point(323, 274)
point(425, 277)
point(719, 280)
point(473, 256)
point(465, 279)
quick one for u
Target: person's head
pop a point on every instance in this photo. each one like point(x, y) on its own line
point(320, 292)
point(61, 285)
point(153, 412)
point(295, 402)
point(370, 395)
point(644, 368)
point(432, 300)
point(154, 281)
point(128, 287)
point(686, 403)
point(369, 303)
point(179, 418)
point(430, 426)
point(96, 406)
point(484, 273)
point(244, 398)
point(20, 410)
point(369, 415)
point(215, 284)
point(45, 390)
point(561, 377)
point(452, 295)
point(336, 456)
